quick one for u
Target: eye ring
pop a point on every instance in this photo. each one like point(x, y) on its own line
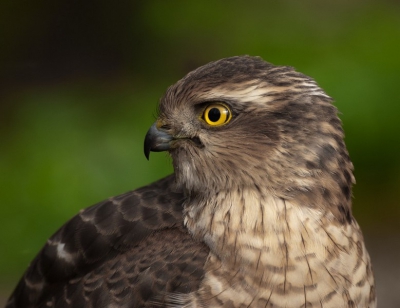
point(217, 114)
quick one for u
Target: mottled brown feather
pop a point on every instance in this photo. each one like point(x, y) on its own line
point(129, 250)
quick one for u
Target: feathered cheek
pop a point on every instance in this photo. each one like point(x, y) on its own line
point(188, 171)
point(182, 162)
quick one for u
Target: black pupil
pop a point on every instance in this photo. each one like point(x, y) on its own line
point(214, 114)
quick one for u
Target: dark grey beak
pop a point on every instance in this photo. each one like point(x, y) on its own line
point(156, 140)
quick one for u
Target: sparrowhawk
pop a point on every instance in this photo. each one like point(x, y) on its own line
point(256, 214)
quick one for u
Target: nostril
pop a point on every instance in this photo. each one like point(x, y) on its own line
point(165, 127)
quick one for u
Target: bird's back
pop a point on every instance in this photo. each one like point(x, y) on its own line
point(128, 251)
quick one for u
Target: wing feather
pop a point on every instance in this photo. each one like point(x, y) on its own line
point(129, 250)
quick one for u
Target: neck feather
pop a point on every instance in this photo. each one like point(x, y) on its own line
point(275, 242)
point(252, 223)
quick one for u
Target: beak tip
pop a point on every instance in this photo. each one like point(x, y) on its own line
point(147, 154)
point(147, 148)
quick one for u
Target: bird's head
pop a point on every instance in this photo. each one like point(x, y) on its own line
point(241, 122)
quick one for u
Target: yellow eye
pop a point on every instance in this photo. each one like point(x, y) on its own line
point(217, 114)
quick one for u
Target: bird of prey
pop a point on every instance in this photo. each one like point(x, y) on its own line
point(256, 214)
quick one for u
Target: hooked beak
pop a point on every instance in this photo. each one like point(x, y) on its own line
point(156, 140)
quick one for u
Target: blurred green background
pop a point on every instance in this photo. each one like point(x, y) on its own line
point(80, 82)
